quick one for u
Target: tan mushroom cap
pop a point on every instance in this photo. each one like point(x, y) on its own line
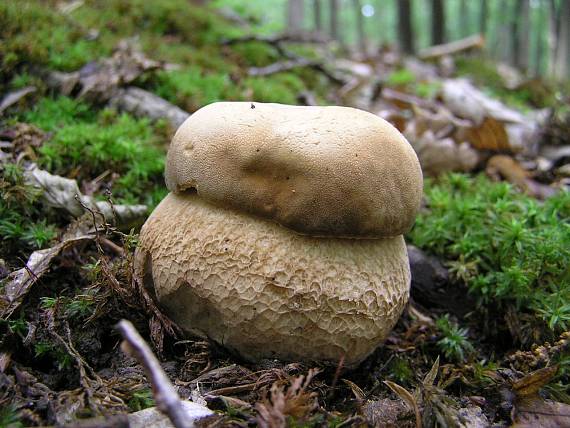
point(262, 291)
point(322, 171)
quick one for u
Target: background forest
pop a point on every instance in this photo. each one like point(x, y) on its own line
point(91, 93)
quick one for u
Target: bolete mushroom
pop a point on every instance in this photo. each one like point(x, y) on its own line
point(282, 234)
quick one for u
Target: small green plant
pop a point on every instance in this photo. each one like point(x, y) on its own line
point(37, 235)
point(18, 326)
point(400, 371)
point(454, 343)
point(140, 400)
point(9, 417)
point(81, 305)
point(47, 349)
point(49, 302)
point(401, 77)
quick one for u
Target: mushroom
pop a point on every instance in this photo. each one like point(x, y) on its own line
point(282, 234)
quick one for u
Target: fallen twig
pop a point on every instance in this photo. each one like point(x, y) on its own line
point(297, 62)
point(142, 103)
point(476, 41)
point(166, 397)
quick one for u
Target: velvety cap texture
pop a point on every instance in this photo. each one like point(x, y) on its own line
point(320, 171)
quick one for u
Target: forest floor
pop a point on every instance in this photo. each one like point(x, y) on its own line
point(87, 114)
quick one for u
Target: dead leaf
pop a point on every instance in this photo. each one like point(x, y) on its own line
point(13, 97)
point(100, 79)
point(429, 379)
point(23, 138)
point(530, 409)
point(387, 413)
point(295, 402)
point(502, 166)
point(18, 283)
point(537, 412)
point(63, 193)
point(531, 383)
point(408, 398)
point(356, 390)
point(489, 135)
point(438, 156)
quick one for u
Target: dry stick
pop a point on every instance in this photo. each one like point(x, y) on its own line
point(166, 397)
point(472, 42)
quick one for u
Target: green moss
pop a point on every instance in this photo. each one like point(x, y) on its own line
point(255, 54)
point(34, 33)
point(89, 144)
point(401, 77)
point(192, 89)
point(279, 88)
point(51, 114)
point(507, 247)
point(24, 225)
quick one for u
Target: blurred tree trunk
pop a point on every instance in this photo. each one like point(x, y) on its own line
point(463, 19)
point(561, 61)
point(483, 17)
point(318, 15)
point(437, 22)
point(334, 19)
point(359, 25)
point(539, 42)
point(520, 34)
point(405, 28)
point(295, 15)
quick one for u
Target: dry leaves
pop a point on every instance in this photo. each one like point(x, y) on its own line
point(19, 283)
point(530, 409)
point(295, 402)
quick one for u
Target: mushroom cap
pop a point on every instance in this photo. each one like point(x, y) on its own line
point(264, 292)
point(321, 171)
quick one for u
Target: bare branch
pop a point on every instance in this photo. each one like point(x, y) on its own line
point(469, 43)
point(166, 397)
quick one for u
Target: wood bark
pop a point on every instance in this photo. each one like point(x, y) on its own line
point(520, 34)
point(333, 24)
point(405, 28)
point(463, 19)
point(469, 43)
point(295, 15)
point(437, 22)
point(539, 43)
point(318, 16)
point(562, 58)
point(359, 25)
point(553, 24)
point(483, 17)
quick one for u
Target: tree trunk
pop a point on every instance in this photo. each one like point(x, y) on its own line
point(318, 15)
point(562, 58)
point(359, 25)
point(539, 43)
point(295, 15)
point(437, 22)
point(554, 24)
point(463, 19)
point(405, 28)
point(483, 17)
point(334, 19)
point(520, 34)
